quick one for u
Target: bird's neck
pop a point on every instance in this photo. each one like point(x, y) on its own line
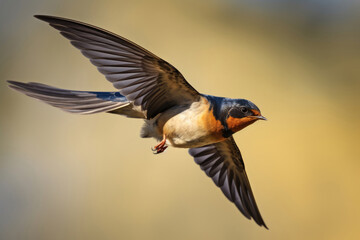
point(219, 107)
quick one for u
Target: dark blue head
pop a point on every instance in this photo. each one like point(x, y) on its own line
point(234, 114)
point(241, 114)
point(241, 108)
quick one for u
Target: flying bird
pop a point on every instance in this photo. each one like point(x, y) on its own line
point(174, 112)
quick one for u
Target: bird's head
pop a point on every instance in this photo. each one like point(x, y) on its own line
point(241, 114)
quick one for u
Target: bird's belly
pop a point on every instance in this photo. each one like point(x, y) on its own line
point(186, 135)
point(192, 127)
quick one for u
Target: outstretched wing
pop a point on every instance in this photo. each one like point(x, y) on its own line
point(145, 79)
point(222, 162)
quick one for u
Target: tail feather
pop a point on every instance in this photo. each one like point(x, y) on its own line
point(81, 102)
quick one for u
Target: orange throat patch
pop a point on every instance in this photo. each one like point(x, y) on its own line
point(236, 124)
point(213, 125)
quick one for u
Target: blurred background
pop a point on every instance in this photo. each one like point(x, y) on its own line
point(66, 176)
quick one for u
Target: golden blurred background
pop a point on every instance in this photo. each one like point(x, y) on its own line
point(65, 176)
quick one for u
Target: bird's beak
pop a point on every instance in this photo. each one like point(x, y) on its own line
point(260, 117)
point(257, 115)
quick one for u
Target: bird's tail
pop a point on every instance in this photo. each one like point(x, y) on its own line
point(81, 102)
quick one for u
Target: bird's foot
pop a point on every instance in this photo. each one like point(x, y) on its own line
point(159, 150)
point(160, 147)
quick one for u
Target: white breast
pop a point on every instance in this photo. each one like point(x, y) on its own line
point(183, 126)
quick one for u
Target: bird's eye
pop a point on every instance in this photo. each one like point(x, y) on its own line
point(244, 109)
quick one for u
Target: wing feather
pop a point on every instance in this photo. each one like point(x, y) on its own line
point(222, 162)
point(143, 78)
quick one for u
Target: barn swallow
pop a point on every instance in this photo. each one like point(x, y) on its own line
point(174, 112)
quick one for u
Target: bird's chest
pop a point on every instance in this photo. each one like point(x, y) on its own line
point(191, 127)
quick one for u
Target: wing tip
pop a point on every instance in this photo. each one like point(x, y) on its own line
point(264, 225)
point(260, 222)
point(44, 17)
point(50, 19)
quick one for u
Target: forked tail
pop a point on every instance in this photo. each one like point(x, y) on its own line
point(82, 102)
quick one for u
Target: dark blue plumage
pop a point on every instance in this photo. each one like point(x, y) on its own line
point(110, 96)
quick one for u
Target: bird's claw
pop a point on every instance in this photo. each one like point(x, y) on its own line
point(159, 149)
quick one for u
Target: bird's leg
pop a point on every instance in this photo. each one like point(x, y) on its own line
point(160, 147)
